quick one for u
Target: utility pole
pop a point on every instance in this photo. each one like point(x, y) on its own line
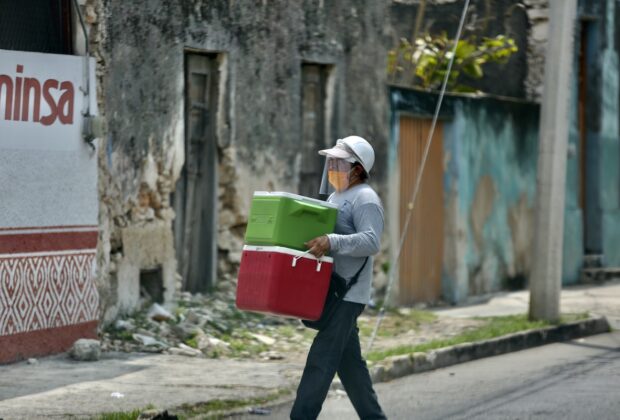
point(546, 278)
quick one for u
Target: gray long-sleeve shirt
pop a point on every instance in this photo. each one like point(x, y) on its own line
point(357, 235)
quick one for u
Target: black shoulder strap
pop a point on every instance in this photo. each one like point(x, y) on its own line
point(356, 276)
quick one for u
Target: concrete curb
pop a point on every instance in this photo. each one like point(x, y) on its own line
point(398, 366)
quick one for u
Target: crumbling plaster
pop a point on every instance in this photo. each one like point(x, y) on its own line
point(499, 155)
point(538, 31)
point(260, 48)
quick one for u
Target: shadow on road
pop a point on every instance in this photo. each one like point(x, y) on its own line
point(19, 379)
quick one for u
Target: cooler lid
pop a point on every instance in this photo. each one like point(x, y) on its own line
point(283, 250)
point(295, 197)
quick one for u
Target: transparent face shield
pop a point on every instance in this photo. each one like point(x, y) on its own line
point(336, 176)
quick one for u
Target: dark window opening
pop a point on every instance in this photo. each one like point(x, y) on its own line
point(152, 285)
point(313, 122)
point(36, 25)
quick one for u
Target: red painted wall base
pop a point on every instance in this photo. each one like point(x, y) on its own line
point(21, 346)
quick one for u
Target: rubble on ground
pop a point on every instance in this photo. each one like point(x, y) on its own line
point(210, 325)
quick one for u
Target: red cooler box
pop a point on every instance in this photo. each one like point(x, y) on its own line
point(283, 281)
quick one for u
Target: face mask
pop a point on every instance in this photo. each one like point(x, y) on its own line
point(338, 180)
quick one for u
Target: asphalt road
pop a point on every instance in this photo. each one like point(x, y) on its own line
point(575, 380)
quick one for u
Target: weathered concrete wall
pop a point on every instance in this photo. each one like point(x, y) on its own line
point(261, 46)
point(495, 145)
point(574, 223)
point(610, 136)
point(490, 154)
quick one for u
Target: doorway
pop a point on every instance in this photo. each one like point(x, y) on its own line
point(421, 258)
point(195, 199)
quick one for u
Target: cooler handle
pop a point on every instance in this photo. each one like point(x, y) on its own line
point(318, 265)
point(294, 263)
point(308, 208)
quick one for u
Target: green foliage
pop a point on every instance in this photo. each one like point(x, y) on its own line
point(428, 58)
point(385, 267)
point(192, 342)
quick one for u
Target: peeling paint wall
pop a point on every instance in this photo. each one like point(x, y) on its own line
point(496, 145)
point(610, 137)
point(260, 47)
point(491, 151)
point(594, 230)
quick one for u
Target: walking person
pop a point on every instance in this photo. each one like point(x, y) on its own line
point(336, 347)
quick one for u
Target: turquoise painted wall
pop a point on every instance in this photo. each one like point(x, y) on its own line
point(573, 245)
point(490, 159)
point(609, 163)
point(494, 144)
point(602, 213)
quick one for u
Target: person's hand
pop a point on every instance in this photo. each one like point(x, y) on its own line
point(318, 246)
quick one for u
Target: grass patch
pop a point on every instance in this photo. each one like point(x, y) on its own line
point(192, 342)
point(287, 331)
point(395, 322)
point(243, 345)
point(124, 415)
point(565, 318)
point(495, 327)
point(213, 409)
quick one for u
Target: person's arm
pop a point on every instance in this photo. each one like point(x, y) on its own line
point(368, 221)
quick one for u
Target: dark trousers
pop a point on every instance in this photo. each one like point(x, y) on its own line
point(337, 349)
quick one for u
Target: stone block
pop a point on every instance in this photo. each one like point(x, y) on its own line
point(540, 31)
point(421, 363)
point(85, 350)
point(399, 366)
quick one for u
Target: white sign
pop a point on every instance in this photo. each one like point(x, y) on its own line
point(42, 100)
point(48, 173)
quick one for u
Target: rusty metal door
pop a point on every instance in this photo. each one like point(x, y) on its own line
point(422, 254)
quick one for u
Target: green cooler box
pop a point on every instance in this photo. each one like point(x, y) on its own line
point(288, 220)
